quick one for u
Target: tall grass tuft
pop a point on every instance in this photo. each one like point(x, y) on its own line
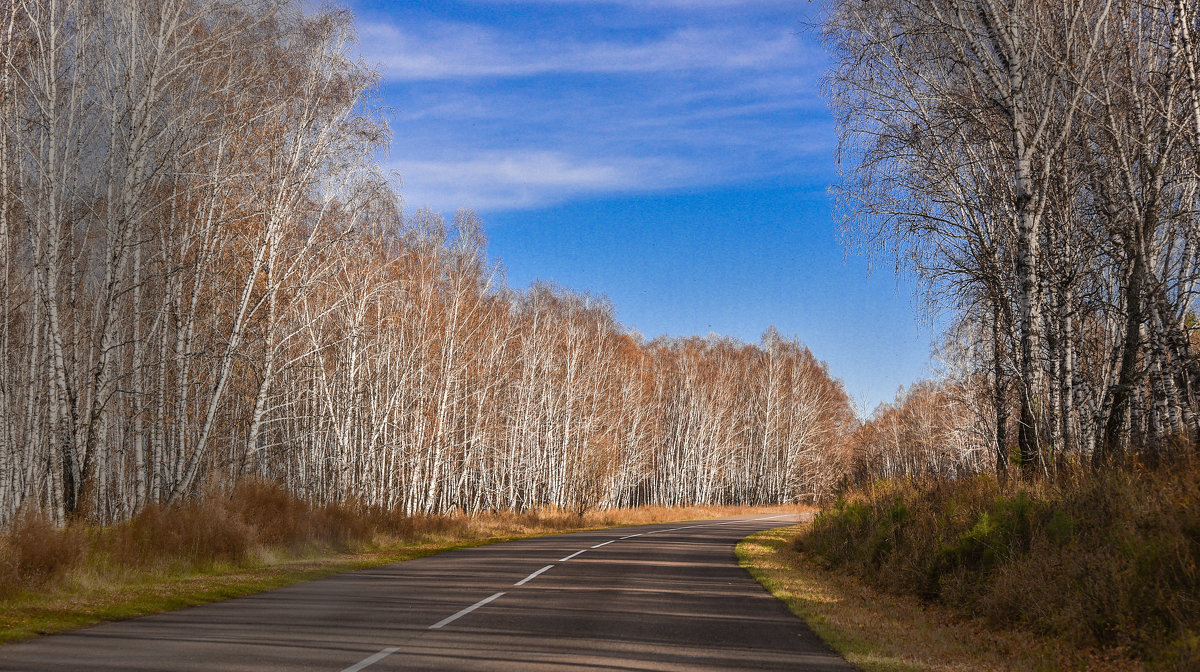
point(35, 552)
point(1106, 559)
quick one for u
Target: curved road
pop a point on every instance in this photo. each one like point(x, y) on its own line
point(655, 597)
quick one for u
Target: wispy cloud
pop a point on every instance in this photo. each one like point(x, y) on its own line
point(521, 179)
point(445, 50)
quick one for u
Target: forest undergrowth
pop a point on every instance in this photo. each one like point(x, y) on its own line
point(257, 538)
point(1109, 560)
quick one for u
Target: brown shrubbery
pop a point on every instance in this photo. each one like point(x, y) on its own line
point(196, 534)
point(36, 552)
point(1109, 559)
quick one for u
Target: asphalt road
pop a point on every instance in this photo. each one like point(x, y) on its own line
point(655, 597)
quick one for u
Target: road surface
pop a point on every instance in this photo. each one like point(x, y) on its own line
point(654, 597)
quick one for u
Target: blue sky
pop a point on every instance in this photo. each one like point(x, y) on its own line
point(673, 155)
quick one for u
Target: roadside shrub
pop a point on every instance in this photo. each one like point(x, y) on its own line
point(1102, 559)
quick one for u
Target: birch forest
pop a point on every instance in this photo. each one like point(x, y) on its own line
point(206, 276)
point(1035, 165)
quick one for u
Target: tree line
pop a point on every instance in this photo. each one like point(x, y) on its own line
point(205, 276)
point(1035, 164)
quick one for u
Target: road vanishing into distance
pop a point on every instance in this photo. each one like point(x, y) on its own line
point(654, 597)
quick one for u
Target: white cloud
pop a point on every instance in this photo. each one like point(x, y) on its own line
point(510, 180)
point(451, 50)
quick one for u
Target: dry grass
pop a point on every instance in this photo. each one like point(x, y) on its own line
point(1106, 560)
point(887, 632)
point(259, 538)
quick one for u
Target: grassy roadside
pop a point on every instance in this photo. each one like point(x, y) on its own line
point(83, 599)
point(883, 632)
point(57, 580)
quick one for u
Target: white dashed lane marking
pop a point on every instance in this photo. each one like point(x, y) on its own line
point(533, 575)
point(450, 619)
point(371, 660)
